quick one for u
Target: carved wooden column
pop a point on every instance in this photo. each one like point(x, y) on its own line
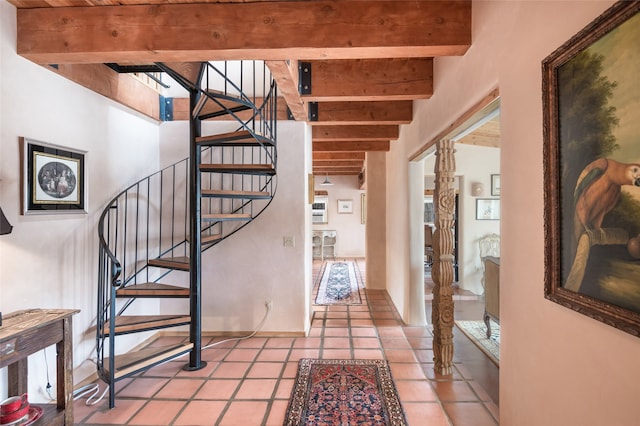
point(442, 269)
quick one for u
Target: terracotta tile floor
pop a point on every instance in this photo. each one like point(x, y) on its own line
point(248, 382)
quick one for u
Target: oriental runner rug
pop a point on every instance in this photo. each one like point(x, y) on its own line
point(339, 284)
point(476, 331)
point(337, 392)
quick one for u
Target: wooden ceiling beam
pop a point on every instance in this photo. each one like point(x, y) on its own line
point(277, 30)
point(287, 76)
point(371, 80)
point(357, 146)
point(337, 156)
point(364, 113)
point(333, 171)
point(338, 164)
point(346, 133)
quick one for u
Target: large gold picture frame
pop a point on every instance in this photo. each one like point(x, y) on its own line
point(591, 113)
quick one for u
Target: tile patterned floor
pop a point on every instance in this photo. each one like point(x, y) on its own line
point(248, 382)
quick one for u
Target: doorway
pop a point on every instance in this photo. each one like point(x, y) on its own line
point(475, 184)
point(471, 152)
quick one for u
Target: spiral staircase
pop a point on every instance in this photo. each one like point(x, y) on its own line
point(152, 234)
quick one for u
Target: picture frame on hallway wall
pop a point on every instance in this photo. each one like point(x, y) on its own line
point(495, 185)
point(53, 178)
point(487, 209)
point(345, 206)
point(592, 170)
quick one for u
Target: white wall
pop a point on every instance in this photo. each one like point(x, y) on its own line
point(241, 273)
point(557, 367)
point(398, 272)
point(473, 164)
point(350, 240)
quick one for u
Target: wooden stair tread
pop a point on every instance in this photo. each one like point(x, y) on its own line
point(219, 95)
point(181, 263)
point(240, 138)
point(153, 290)
point(223, 106)
point(234, 194)
point(264, 169)
point(134, 323)
point(133, 362)
point(207, 239)
point(226, 216)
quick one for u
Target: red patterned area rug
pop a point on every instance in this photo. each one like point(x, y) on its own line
point(341, 392)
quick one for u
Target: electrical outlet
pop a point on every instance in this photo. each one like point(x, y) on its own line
point(289, 241)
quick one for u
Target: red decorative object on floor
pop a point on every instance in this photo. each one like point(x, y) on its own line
point(343, 391)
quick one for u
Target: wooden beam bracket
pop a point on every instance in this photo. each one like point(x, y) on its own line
point(313, 111)
point(166, 108)
point(304, 78)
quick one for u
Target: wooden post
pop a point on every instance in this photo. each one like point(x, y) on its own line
point(442, 269)
point(64, 371)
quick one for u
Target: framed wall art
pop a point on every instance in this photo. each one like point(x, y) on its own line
point(345, 206)
point(53, 178)
point(495, 185)
point(592, 170)
point(487, 209)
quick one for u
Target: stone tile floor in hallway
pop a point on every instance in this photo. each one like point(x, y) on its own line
point(248, 382)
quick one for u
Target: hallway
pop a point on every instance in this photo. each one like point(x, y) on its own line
point(248, 382)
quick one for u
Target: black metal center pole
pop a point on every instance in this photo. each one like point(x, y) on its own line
point(195, 254)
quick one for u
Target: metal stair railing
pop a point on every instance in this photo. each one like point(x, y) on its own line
point(145, 221)
point(151, 218)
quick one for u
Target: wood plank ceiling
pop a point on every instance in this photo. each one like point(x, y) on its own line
point(368, 59)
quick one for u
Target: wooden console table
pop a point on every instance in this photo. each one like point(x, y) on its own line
point(25, 332)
